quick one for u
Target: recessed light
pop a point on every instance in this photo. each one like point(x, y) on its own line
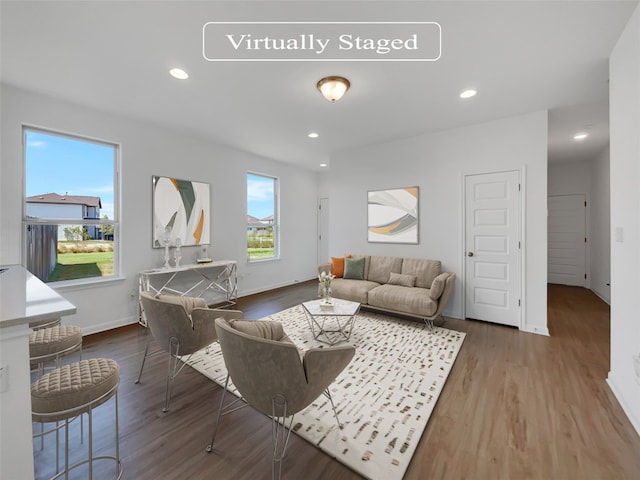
point(324, 165)
point(313, 135)
point(178, 73)
point(468, 93)
point(580, 136)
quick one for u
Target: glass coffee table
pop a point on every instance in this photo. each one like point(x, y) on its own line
point(334, 324)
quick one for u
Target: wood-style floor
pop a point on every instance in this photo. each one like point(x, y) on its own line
point(516, 406)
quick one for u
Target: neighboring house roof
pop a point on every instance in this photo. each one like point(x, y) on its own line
point(254, 222)
point(65, 199)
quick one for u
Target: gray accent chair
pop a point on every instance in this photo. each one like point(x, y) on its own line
point(180, 326)
point(274, 377)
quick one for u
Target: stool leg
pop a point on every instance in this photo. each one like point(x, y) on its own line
point(90, 443)
point(66, 449)
point(117, 440)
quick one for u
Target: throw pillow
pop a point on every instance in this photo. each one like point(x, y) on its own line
point(404, 280)
point(437, 287)
point(354, 268)
point(337, 266)
point(188, 303)
point(260, 328)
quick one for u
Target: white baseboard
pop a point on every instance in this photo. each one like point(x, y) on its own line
point(599, 295)
point(103, 327)
point(535, 329)
point(616, 392)
point(266, 288)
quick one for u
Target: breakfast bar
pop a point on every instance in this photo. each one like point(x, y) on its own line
point(23, 299)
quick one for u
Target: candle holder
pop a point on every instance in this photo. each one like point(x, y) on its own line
point(177, 256)
point(165, 238)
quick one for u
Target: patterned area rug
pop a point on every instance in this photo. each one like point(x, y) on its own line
point(384, 397)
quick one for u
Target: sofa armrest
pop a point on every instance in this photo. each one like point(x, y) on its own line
point(324, 267)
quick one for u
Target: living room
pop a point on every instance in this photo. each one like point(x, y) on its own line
point(435, 159)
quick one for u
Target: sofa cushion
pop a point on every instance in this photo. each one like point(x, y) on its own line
point(437, 287)
point(425, 270)
point(402, 279)
point(354, 290)
point(337, 266)
point(415, 301)
point(380, 268)
point(354, 268)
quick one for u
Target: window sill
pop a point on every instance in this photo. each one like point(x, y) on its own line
point(263, 260)
point(85, 283)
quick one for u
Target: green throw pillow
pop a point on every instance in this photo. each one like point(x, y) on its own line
point(354, 268)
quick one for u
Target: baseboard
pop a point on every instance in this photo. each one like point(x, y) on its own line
point(616, 393)
point(535, 329)
point(245, 293)
point(103, 327)
point(599, 295)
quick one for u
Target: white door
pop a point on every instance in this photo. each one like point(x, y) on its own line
point(566, 233)
point(323, 230)
point(492, 247)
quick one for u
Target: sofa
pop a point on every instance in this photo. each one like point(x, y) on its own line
point(413, 287)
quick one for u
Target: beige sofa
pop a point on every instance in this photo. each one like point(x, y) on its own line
point(408, 286)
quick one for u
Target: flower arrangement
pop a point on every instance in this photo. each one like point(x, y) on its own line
point(325, 279)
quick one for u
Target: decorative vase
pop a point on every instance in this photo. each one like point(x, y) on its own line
point(326, 294)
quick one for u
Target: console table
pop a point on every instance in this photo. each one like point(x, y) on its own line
point(216, 282)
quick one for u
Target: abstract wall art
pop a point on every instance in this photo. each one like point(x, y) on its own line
point(393, 215)
point(181, 210)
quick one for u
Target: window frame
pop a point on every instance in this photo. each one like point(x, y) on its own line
point(114, 222)
point(276, 216)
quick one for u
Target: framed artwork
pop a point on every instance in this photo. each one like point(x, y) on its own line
point(392, 215)
point(181, 212)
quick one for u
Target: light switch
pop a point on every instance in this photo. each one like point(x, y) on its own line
point(619, 234)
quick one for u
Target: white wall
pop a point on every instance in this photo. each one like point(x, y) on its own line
point(624, 74)
point(599, 234)
point(437, 163)
point(148, 150)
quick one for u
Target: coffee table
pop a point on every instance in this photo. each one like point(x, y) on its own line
point(331, 325)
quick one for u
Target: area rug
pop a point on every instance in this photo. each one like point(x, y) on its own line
point(384, 397)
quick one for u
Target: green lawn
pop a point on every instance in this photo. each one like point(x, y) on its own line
point(260, 252)
point(71, 266)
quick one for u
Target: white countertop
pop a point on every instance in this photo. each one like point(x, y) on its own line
point(24, 298)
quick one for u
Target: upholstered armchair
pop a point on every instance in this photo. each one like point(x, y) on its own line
point(180, 326)
point(274, 377)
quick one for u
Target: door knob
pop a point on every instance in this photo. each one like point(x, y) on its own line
point(469, 254)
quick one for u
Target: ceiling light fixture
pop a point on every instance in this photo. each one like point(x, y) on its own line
point(313, 135)
point(324, 165)
point(580, 136)
point(178, 73)
point(468, 93)
point(333, 88)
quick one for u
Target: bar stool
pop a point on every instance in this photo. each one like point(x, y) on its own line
point(51, 343)
point(70, 391)
point(39, 324)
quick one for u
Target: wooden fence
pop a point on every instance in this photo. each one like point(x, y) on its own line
point(42, 249)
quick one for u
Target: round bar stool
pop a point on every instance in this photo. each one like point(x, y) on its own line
point(39, 324)
point(72, 390)
point(46, 344)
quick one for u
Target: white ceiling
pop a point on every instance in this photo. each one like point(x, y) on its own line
point(520, 56)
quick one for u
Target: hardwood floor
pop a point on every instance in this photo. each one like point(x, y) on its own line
point(516, 406)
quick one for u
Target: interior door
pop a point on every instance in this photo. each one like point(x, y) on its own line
point(567, 238)
point(492, 247)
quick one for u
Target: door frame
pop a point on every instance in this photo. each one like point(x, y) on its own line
point(522, 173)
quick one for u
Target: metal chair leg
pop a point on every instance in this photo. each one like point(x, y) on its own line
point(171, 372)
point(280, 433)
point(144, 358)
point(215, 428)
point(327, 394)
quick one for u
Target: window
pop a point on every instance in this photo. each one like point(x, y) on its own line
point(262, 217)
point(70, 207)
